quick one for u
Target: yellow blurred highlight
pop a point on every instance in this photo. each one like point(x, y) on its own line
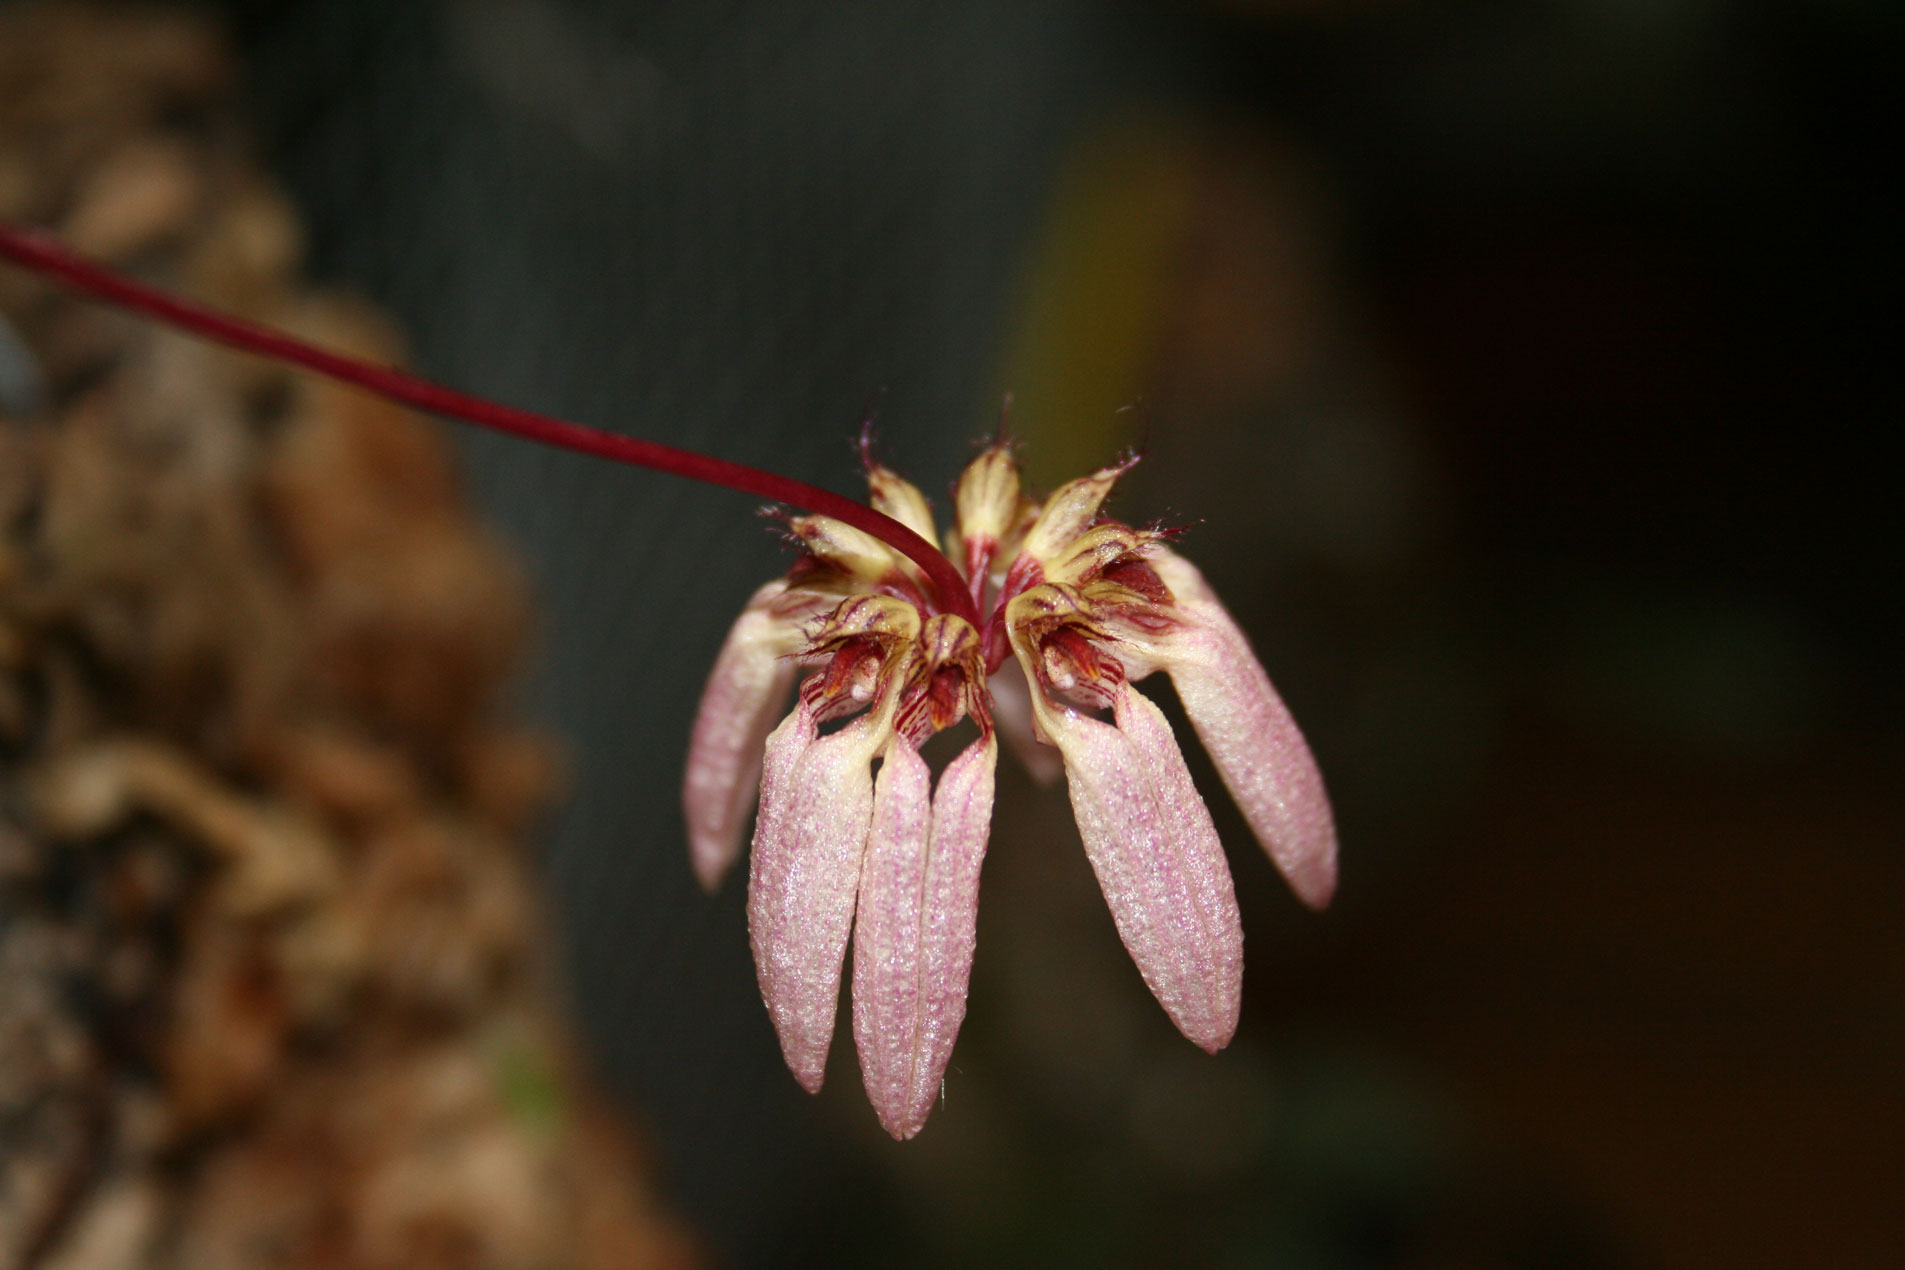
point(1094, 298)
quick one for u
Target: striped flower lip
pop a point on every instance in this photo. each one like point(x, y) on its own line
point(1074, 609)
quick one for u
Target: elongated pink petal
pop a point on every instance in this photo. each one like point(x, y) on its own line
point(913, 938)
point(816, 802)
point(744, 694)
point(786, 745)
point(886, 937)
point(1249, 733)
point(1156, 854)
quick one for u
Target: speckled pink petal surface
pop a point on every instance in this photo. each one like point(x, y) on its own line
point(913, 939)
point(816, 803)
point(745, 694)
point(1158, 860)
point(1249, 733)
point(886, 939)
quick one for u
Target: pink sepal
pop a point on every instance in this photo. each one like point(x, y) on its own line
point(913, 940)
point(1243, 723)
point(1156, 854)
point(816, 803)
point(745, 694)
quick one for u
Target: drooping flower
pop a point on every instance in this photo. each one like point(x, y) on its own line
point(1075, 608)
point(1036, 617)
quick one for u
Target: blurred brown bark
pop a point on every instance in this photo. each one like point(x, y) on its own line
point(272, 988)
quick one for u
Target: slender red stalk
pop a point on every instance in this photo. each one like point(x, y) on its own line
point(41, 253)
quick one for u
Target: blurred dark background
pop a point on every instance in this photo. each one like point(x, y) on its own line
point(1518, 368)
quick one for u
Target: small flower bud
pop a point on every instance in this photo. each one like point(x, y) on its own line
point(895, 496)
point(987, 499)
point(855, 553)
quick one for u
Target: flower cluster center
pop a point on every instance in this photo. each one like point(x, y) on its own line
point(1053, 580)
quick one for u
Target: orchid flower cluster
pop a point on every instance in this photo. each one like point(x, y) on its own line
point(1075, 608)
point(1032, 622)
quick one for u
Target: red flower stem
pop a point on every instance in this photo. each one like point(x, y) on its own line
point(42, 254)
